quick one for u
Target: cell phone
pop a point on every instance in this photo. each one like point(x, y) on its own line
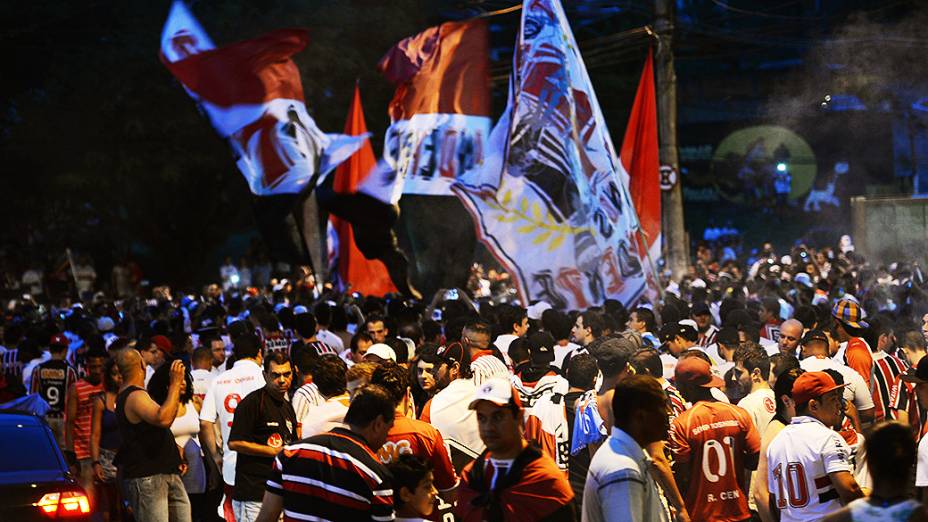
point(452, 294)
point(436, 314)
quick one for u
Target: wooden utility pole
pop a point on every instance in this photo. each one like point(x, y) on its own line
point(674, 233)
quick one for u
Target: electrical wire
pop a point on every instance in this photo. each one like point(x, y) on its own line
point(763, 14)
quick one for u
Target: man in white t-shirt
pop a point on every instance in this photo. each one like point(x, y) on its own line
point(752, 367)
point(448, 410)
point(201, 375)
point(810, 473)
point(676, 339)
point(752, 370)
point(222, 397)
point(815, 359)
point(323, 314)
point(722, 352)
point(329, 378)
point(558, 325)
point(514, 321)
point(217, 350)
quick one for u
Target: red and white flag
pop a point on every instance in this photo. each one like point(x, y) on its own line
point(252, 93)
point(440, 114)
point(552, 200)
point(368, 276)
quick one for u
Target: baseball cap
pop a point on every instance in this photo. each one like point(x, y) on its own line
point(812, 385)
point(451, 353)
point(700, 308)
point(687, 324)
point(497, 390)
point(59, 340)
point(695, 371)
point(381, 350)
point(541, 347)
point(803, 279)
point(164, 344)
point(668, 332)
point(918, 374)
point(850, 313)
point(534, 311)
point(812, 336)
point(105, 324)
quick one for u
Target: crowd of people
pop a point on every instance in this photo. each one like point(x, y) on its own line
point(780, 387)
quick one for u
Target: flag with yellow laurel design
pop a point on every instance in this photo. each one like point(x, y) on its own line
point(551, 200)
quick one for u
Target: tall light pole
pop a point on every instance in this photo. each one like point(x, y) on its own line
point(672, 200)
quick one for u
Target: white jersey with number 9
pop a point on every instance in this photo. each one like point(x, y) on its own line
point(222, 397)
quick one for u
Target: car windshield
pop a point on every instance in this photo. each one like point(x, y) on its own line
point(26, 448)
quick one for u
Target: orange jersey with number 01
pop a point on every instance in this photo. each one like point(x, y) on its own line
point(713, 439)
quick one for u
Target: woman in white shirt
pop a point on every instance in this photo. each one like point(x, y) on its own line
point(185, 428)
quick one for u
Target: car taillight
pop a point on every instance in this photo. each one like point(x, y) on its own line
point(65, 504)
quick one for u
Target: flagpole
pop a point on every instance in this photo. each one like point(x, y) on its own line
point(70, 257)
point(674, 232)
point(506, 10)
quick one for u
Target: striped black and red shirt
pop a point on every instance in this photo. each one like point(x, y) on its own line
point(332, 476)
point(885, 370)
point(902, 398)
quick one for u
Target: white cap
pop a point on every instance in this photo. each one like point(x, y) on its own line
point(105, 324)
point(534, 312)
point(381, 350)
point(497, 390)
point(698, 283)
point(300, 309)
point(690, 323)
point(804, 279)
point(410, 347)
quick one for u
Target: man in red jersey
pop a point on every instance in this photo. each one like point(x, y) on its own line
point(713, 443)
point(415, 437)
point(512, 480)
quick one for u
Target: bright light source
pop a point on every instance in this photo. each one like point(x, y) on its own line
point(781, 167)
point(64, 505)
point(234, 279)
point(828, 97)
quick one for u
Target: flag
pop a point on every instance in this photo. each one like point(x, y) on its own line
point(551, 201)
point(368, 276)
point(440, 113)
point(252, 93)
point(641, 161)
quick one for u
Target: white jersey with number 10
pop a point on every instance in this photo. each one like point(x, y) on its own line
point(798, 461)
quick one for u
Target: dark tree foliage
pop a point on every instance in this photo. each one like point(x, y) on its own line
point(104, 152)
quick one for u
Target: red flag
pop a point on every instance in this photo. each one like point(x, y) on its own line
point(442, 70)
point(368, 276)
point(248, 72)
point(640, 159)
